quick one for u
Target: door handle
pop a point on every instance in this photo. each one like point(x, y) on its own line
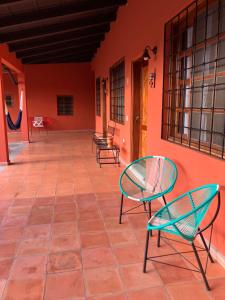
point(137, 118)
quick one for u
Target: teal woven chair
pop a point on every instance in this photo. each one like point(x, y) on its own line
point(183, 217)
point(146, 179)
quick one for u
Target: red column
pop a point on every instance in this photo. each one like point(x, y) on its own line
point(4, 152)
point(24, 123)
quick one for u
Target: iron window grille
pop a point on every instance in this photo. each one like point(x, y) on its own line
point(117, 82)
point(65, 105)
point(9, 100)
point(98, 96)
point(194, 78)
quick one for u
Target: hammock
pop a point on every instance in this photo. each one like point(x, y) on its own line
point(11, 125)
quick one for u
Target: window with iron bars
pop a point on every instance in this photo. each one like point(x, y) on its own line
point(65, 105)
point(98, 96)
point(117, 82)
point(194, 78)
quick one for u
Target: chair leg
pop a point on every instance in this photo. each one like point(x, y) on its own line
point(200, 267)
point(146, 252)
point(164, 199)
point(206, 247)
point(150, 213)
point(121, 210)
point(158, 240)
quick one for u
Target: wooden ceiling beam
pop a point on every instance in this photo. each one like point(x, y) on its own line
point(62, 54)
point(76, 8)
point(89, 44)
point(36, 42)
point(56, 42)
point(60, 45)
point(57, 28)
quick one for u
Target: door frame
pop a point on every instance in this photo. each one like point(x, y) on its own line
point(104, 104)
point(138, 60)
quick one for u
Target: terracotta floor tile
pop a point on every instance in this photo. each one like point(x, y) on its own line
point(14, 221)
point(102, 281)
point(2, 287)
point(65, 217)
point(176, 274)
point(153, 293)
point(22, 289)
point(5, 266)
point(122, 237)
point(217, 288)
point(33, 247)
point(45, 201)
point(87, 215)
point(37, 232)
point(28, 267)
point(98, 257)
point(64, 228)
point(187, 291)
point(11, 233)
point(134, 278)
point(91, 225)
point(109, 297)
point(66, 286)
point(94, 239)
point(112, 224)
point(65, 207)
point(19, 210)
point(64, 261)
point(64, 199)
point(129, 254)
point(38, 219)
point(8, 249)
point(64, 243)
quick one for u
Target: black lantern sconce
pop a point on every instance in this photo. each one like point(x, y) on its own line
point(146, 56)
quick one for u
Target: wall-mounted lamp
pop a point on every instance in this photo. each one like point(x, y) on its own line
point(146, 55)
point(152, 79)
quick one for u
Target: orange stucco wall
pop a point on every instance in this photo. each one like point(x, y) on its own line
point(45, 82)
point(141, 23)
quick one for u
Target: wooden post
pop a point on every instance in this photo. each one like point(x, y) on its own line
point(4, 152)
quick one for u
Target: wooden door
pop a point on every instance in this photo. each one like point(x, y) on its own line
point(104, 109)
point(140, 97)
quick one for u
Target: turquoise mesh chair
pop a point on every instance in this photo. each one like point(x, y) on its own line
point(146, 179)
point(183, 217)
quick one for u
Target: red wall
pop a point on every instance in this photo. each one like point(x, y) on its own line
point(45, 82)
point(141, 23)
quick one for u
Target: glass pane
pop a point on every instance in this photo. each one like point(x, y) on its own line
point(195, 122)
point(222, 15)
point(210, 52)
point(208, 94)
point(219, 122)
point(217, 139)
point(205, 139)
point(206, 121)
point(212, 20)
point(197, 97)
point(201, 25)
point(195, 135)
point(220, 96)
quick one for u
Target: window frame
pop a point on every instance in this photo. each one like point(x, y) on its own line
point(65, 110)
point(117, 101)
point(98, 96)
point(173, 113)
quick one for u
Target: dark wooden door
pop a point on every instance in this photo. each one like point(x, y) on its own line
point(140, 98)
point(104, 108)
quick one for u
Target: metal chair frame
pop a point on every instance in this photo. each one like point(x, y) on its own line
point(199, 268)
point(144, 201)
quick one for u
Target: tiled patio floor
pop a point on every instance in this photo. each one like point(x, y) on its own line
point(60, 238)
